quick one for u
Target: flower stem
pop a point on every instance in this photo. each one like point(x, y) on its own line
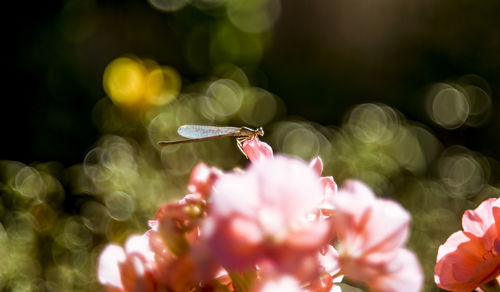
point(491, 286)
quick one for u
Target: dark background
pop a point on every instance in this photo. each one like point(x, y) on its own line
point(323, 57)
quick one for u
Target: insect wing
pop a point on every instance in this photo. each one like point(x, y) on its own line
point(198, 131)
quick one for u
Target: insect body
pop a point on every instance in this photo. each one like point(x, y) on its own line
point(196, 133)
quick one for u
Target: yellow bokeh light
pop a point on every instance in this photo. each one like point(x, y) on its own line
point(136, 84)
point(162, 85)
point(124, 80)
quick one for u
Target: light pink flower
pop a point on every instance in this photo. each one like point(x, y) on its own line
point(202, 178)
point(264, 214)
point(256, 150)
point(402, 273)
point(172, 237)
point(128, 269)
point(471, 257)
point(370, 233)
point(330, 276)
point(328, 185)
point(284, 283)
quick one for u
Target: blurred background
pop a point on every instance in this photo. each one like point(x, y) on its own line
point(400, 94)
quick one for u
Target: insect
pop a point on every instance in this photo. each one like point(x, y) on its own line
point(196, 133)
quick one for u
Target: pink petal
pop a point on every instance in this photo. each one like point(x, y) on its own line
point(202, 178)
point(235, 193)
point(237, 244)
point(281, 284)
point(256, 150)
point(330, 261)
point(288, 186)
point(317, 165)
point(311, 236)
point(108, 271)
point(153, 224)
point(135, 275)
point(463, 264)
point(352, 206)
point(404, 275)
point(479, 220)
point(262, 214)
point(329, 185)
point(387, 228)
point(367, 224)
point(354, 198)
point(139, 245)
point(329, 192)
point(451, 244)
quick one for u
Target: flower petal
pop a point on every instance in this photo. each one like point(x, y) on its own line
point(404, 275)
point(108, 271)
point(202, 178)
point(479, 220)
point(257, 150)
point(462, 263)
point(317, 165)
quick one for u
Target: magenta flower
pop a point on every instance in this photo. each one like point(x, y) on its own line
point(264, 215)
point(471, 258)
point(370, 233)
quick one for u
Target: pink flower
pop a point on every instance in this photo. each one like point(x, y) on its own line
point(265, 215)
point(128, 269)
point(471, 257)
point(369, 235)
point(202, 178)
point(256, 150)
point(402, 273)
point(279, 284)
point(330, 276)
point(328, 185)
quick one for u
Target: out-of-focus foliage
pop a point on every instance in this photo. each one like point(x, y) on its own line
point(42, 246)
point(407, 102)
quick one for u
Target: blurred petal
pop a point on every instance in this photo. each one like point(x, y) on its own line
point(387, 228)
point(281, 284)
point(202, 178)
point(370, 233)
point(108, 272)
point(140, 245)
point(353, 200)
point(317, 165)
point(404, 275)
point(330, 261)
point(263, 214)
point(135, 274)
point(371, 225)
point(329, 193)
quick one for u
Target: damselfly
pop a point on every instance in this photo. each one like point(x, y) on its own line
point(196, 133)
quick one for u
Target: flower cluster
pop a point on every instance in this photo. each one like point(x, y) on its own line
point(470, 259)
point(275, 226)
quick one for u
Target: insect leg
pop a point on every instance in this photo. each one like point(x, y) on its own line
point(239, 142)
